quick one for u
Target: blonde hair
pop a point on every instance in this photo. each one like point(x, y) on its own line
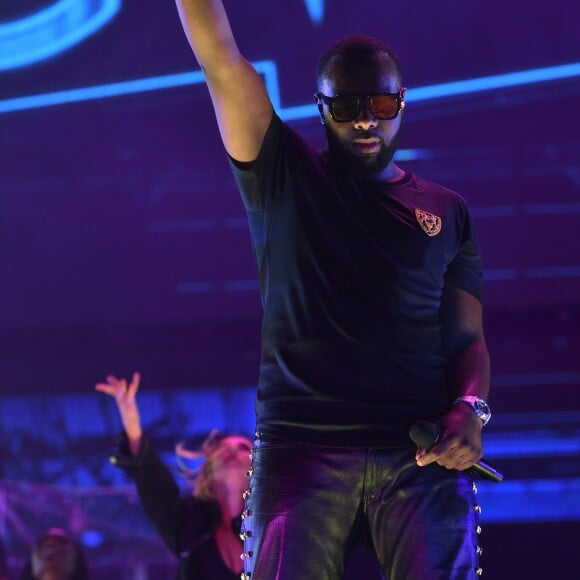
point(201, 477)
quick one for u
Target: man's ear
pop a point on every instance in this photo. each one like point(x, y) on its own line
point(318, 102)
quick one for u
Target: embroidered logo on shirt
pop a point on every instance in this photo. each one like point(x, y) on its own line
point(431, 224)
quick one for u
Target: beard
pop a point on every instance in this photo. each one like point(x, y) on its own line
point(358, 165)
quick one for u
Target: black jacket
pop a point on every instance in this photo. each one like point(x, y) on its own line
point(186, 524)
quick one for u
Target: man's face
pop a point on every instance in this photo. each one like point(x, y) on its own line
point(365, 145)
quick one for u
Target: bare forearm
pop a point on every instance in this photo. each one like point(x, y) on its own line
point(134, 440)
point(461, 444)
point(131, 420)
point(208, 31)
point(468, 368)
point(125, 395)
point(242, 105)
point(470, 371)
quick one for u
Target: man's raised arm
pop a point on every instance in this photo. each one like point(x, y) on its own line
point(241, 103)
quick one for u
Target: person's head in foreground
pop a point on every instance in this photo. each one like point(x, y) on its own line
point(56, 556)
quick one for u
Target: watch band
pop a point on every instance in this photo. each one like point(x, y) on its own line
point(479, 406)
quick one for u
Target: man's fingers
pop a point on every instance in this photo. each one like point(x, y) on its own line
point(425, 457)
point(451, 453)
point(445, 453)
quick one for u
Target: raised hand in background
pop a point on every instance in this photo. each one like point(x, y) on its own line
point(125, 395)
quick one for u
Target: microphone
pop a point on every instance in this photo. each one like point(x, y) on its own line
point(426, 434)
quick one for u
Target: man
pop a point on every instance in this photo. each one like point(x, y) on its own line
point(370, 280)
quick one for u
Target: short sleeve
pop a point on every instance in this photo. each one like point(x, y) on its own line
point(465, 270)
point(254, 180)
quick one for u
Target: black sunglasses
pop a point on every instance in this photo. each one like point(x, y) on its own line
point(346, 108)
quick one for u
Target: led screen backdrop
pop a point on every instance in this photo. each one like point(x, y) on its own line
point(121, 229)
point(124, 245)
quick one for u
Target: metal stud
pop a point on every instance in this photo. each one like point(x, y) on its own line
point(247, 555)
point(478, 530)
point(246, 513)
point(477, 508)
point(250, 472)
point(245, 575)
point(247, 493)
point(245, 534)
point(474, 487)
point(479, 550)
point(479, 571)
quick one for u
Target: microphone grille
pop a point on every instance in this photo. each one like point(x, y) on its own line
point(424, 434)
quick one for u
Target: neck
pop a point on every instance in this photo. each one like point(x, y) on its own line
point(392, 173)
point(230, 501)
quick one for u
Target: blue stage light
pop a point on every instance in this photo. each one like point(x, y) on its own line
point(92, 538)
point(315, 10)
point(52, 30)
point(493, 82)
point(269, 70)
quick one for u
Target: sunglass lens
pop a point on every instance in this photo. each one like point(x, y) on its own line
point(384, 106)
point(345, 108)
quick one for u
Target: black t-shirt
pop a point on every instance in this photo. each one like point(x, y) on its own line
point(352, 274)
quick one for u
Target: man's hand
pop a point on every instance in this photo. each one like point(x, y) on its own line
point(459, 446)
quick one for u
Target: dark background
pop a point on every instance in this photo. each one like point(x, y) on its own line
point(124, 245)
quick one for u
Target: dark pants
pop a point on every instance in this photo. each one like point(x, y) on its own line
point(308, 506)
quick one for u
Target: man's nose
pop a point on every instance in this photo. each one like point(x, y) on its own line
point(365, 118)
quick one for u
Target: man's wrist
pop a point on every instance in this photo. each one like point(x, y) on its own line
point(478, 406)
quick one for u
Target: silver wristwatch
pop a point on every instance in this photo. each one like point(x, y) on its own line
point(479, 406)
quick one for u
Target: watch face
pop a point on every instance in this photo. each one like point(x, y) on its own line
point(482, 410)
point(479, 406)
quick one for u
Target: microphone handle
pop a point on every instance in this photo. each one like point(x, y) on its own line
point(486, 470)
point(425, 434)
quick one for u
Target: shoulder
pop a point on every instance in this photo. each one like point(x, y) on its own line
point(440, 200)
point(438, 191)
point(285, 156)
point(292, 139)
